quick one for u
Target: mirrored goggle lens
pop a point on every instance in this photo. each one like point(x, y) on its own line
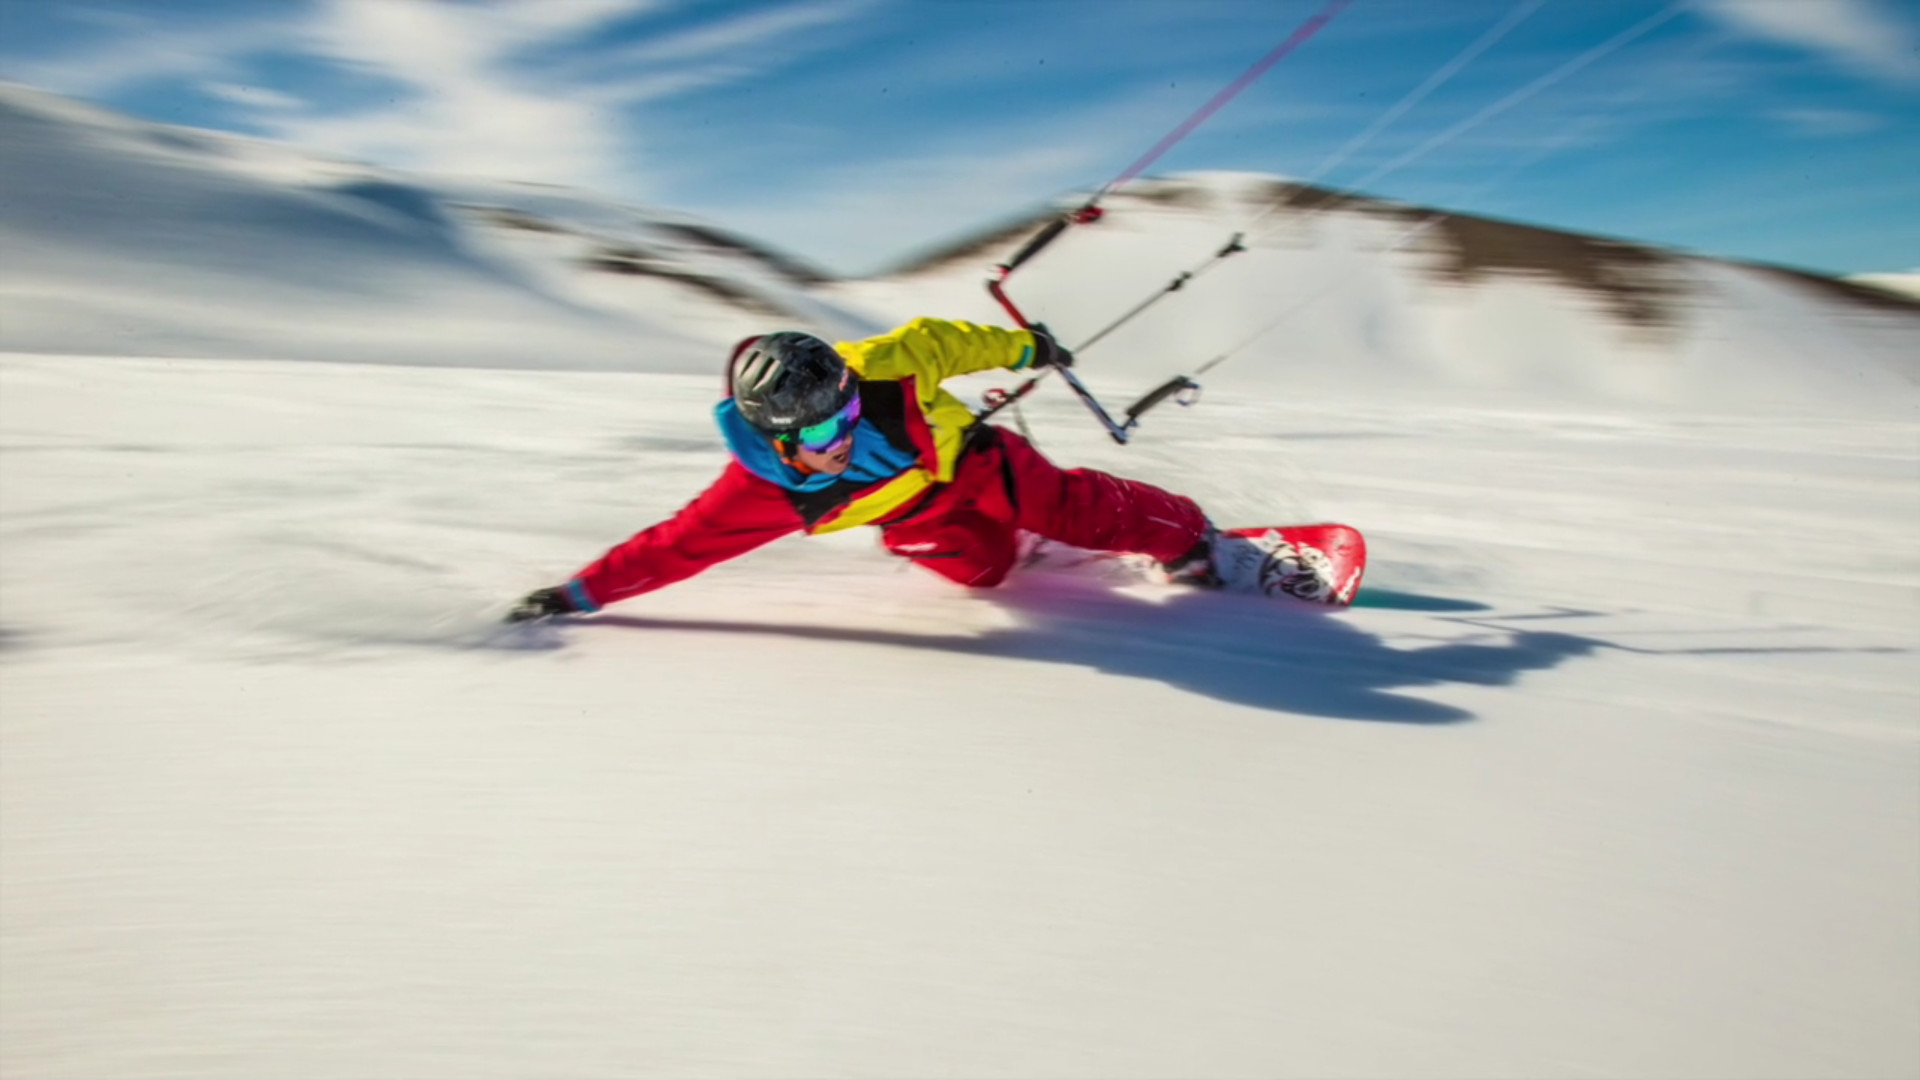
point(831, 432)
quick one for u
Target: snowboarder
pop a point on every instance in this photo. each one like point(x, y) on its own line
point(829, 437)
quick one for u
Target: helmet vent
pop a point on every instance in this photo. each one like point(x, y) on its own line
point(787, 380)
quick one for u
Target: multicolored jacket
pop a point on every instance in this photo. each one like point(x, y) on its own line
point(911, 435)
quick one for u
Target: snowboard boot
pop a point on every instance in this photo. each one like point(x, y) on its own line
point(1196, 566)
point(1263, 563)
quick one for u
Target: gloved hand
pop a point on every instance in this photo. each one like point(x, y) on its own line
point(1046, 351)
point(541, 604)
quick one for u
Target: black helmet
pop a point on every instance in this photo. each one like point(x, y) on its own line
point(783, 382)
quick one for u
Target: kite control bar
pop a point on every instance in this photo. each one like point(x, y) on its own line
point(1181, 388)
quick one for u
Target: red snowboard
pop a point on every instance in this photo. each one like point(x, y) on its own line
point(1321, 564)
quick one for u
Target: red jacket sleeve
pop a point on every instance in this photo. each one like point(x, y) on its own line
point(738, 513)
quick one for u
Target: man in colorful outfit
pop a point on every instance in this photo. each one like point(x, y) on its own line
point(829, 437)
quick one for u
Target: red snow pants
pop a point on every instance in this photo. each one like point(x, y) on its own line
point(966, 530)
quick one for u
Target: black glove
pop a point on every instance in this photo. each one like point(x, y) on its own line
point(1046, 351)
point(541, 604)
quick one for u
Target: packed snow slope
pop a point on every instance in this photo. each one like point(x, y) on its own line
point(1614, 770)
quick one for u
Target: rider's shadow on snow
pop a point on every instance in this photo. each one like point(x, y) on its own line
point(1246, 650)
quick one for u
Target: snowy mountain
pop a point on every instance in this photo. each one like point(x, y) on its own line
point(1408, 301)
point(1613, 770)
point(192, 243)
point(188, 243)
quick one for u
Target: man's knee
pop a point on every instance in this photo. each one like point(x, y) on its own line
point(966, 547)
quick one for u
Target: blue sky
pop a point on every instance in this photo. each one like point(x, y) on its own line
point(854, 131)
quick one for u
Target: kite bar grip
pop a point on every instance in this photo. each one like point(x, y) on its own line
point(1179, 386)
point(1040, 240)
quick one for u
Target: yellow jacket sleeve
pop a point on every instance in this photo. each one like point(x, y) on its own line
point(934, 350)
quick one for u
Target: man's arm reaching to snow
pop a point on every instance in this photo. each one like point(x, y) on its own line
point(738, 513)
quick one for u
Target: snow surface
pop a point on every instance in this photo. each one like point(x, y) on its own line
point(1614, 770)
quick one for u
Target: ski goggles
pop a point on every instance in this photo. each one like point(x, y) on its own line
point(831, 433)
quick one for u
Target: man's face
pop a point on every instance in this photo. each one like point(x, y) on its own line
point(827, 447)
point(833, 462)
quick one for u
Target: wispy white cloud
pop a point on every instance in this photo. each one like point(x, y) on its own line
point(465, 101)
point(1861, 34)
point(107, 18)
point(715, 54)
point(549, 19)
point(461, 108)
point(145, 49)
point(251, 97)
point(1828, 123)
point(744, 31)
